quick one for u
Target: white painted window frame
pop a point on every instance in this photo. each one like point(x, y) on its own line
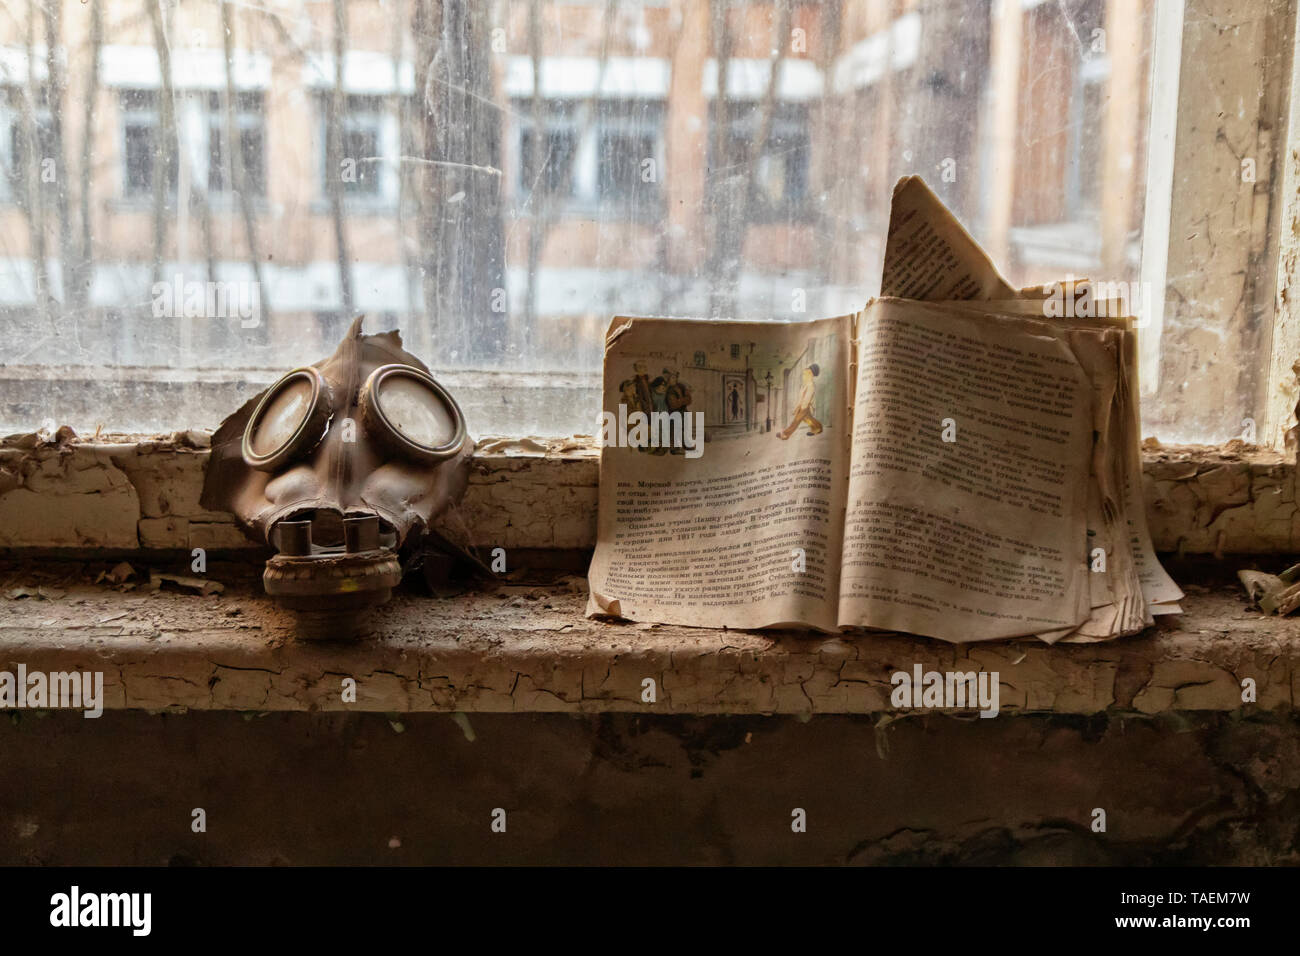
point(1185, 194)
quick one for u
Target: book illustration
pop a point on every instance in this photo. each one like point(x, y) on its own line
point(652, 408)
point(804, 404)
point(740, 389)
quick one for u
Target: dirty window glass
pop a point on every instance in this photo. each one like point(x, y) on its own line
point(498, 179)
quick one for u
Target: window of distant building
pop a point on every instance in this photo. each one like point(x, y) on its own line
point(369, 139)
point(600, 158)
point(551, 173)
point(13, 141)
point(780, 175)
point(1087, 115)
point(250, 126)
point(628, 153)
point(142, 145)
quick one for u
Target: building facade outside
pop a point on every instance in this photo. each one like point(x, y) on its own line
point(206, 191)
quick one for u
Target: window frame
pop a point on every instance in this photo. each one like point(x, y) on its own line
point(1196, 184)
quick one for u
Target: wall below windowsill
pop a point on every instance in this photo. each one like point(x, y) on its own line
point(126, 494)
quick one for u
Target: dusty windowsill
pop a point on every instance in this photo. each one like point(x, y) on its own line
point(528, 648)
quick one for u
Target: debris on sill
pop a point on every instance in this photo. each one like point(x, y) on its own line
point(1273, 593)
point(534, 446)
point(43, 593)
point(60, 580)
point(192, 439)
point(197, 585)
point(118, 575)
point(60, 435)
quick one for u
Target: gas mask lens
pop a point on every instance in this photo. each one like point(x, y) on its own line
point(412, 414)
point(289, 420)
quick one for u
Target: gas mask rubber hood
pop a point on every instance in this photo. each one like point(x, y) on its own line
point(336, 466)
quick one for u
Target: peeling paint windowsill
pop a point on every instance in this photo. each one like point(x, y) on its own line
point(524, 644)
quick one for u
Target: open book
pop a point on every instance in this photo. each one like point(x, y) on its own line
point(958, 460)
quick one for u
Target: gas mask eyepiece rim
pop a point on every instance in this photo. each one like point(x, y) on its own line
point(384, 429)
point(311, 428)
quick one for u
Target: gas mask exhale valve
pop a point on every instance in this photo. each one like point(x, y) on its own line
point(340, 466)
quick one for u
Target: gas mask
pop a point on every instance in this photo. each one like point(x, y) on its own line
point(337, 466)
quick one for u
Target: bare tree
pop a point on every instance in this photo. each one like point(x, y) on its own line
point(833, 167)
point(79, 293)
point(738, 185)
point(238, 177)
point(334, 156)
point(719, 198)
point(399, 106)
point(165, 142)
point(461, 232)
point(669, 286)
point(34, 197)
point(545, 205)
point(780, 44)
point(430, 79)
point(538, 157)
point(951, 69)
point(878, 130)
point(198, 199)
point(54, 92)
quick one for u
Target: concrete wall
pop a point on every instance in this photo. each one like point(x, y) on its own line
point(317, 789)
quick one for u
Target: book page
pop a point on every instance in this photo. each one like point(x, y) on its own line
point(966, 510)
point(743, 529)
point(1118, 605)
point(1159, 590)
point(929, 254)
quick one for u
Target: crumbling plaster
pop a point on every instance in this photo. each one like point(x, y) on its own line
point(129, 494)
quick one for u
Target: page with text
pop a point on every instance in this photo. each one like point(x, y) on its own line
point(967, 500)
